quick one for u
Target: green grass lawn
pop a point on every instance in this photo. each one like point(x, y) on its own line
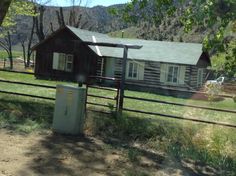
point(129, 103)
point(213, 145)
point(4, 55)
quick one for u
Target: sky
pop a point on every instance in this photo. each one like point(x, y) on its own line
point(87, 3)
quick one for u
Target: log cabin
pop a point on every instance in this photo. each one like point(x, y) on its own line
point(64, 56)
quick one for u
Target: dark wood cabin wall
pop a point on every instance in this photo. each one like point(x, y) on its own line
point(85, 60)
point(204, 61)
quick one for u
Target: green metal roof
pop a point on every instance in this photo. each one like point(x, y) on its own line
point(160, 51)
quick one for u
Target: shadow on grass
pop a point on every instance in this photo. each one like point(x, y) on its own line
point(116, 153)
point(178, 139)
point(70, 155)
point(25, 115)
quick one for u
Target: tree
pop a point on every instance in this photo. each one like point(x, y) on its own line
point(17, 7)
point(38, 21)
point(26, 40)
point(4, 5)
point(217, 15)
point(77, 17)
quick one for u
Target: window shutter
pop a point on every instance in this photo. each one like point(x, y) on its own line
point(127, 69)
point(182, 74)
point(55, 61)
point(164, 71)
point(141, 66)
point(62, 60)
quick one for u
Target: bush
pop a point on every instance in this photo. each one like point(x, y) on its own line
point(234, 98)
point(213, 91)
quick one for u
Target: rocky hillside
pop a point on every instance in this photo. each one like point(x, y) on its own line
point(96, 19)
point(100, 20)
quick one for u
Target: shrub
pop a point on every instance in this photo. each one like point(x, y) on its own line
point(234, 98)
point(213, 91)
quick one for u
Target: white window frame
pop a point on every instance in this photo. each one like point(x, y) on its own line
point(134, 75)
point(137, 72)
point(62, 60)
point(69, 60)
point(173, 72)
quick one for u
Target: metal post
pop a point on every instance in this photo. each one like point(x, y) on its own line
point(122, 82)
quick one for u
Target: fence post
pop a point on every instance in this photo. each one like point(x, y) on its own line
point(122, 82)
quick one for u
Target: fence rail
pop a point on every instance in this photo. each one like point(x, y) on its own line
point(28, 84)
point(103, 97)
point(26, 95)
point(13, 71)
point(180, 104)
point(180, 118)
point(118, 80)
point(179, 90)
point(127, 97)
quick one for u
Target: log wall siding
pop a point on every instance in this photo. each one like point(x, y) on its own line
point(98, 67)
point(152, 75)
point(193, 77)
point(152, 72)
point(188, 76)
point(118, 68)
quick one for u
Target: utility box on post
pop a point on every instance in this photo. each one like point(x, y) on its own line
point(69, 110)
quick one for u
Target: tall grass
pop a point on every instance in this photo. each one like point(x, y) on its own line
point(206, 144)
point(25, 114)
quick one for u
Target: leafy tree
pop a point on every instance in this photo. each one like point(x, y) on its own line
point(4, 5)
point(225, 62)
point(17, 7)
point(230, 61)
point(216, 15)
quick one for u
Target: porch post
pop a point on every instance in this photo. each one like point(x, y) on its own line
point(122, 82)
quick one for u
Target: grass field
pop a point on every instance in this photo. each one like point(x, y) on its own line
point(3, 54)
point(128, 33)
point(207, 144)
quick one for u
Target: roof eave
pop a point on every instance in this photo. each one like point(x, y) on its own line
point(49, 37)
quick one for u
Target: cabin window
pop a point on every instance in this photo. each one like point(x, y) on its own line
point(173, 72)
point(135, 70)
point(69, 63)
point(63, 62)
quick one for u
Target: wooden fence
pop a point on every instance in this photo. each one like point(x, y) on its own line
point(116, 99)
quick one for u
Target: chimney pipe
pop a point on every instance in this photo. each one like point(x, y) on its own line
point(122, 34)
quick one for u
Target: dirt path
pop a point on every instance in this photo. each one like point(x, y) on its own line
point(50, 154)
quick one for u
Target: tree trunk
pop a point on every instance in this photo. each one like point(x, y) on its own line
point(39, 23)
point(29, 51)
point(60, 17)
point(4, 4)
point(10, 50)
point(24, 53)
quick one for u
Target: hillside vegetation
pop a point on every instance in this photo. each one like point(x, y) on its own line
point(100, 19)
